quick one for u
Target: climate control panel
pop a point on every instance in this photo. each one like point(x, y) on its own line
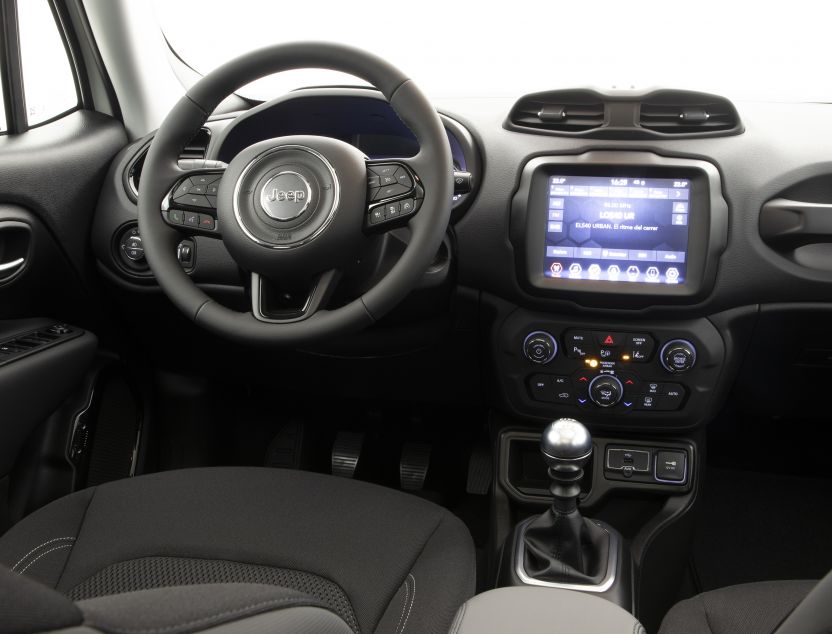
point(639, 372)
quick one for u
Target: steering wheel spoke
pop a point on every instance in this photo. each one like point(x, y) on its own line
point(394, 194)
point(191, 203)
point(276, 305)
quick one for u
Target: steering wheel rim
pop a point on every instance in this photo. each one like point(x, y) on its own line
point(428, 226)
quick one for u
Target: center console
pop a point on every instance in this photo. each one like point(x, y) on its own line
point(613, 252)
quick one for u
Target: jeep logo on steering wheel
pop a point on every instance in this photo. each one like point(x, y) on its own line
point(285, 196)
point(280, 195)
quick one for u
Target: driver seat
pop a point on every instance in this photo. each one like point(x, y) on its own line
point(235, 549)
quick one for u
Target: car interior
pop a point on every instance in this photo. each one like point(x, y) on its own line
point(355, 356)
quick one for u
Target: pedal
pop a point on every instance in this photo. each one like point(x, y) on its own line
point(413, 469)
point(480, 471)
point(285, 448)
point(346, 451)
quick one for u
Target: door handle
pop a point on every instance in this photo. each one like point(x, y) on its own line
point(11, 266)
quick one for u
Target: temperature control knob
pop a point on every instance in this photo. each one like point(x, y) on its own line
point(605, 390)
point(540, 347)
point(678, 356)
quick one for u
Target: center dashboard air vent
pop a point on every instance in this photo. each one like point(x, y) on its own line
point(680, 112)
point(560, 111)
point(624, 114)
point(196, 148)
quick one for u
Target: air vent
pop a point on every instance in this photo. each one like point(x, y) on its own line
point(195, 149)
point(688, 113)
point(559, 111)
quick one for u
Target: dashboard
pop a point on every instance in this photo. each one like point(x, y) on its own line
point(621, 246)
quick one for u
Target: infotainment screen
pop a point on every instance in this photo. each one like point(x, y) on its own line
point(618, 229)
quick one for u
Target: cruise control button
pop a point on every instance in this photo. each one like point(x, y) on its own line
point(403, 178)
point(384, 181)
point(384, 170)
point(194, 201)
point(373, 181)
point(207, 222)
point(390, 191)
point(205, 179)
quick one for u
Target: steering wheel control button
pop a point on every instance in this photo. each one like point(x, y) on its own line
point(678, 356)
point(286, 195)
point(403, 178)
point(203, 180)
point(605, 390)
point(206, 222)
point(377, 215)
point(671, 466)
point(463, 182)
point(183, 188)
point(176, 217)
point(392, 210)
point(540, 347)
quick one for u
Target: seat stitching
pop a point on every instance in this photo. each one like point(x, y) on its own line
point(205, 619)
point(43, 554)
point(412, 601)
point(404, 604)
point(56, 539)
point(77, 535)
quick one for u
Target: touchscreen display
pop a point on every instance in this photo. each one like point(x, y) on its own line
point(617, 229)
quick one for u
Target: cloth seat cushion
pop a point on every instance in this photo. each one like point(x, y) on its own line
point(384, 561)
point(751, 608)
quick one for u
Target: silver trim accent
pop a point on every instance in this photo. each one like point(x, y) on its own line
point(264, 200)
point(291, 245)
point(606, 583)
point(552, 337)
point(684, 475)
point(611, 449)
point(14, 264)
point(677, 342)
point(256, 306)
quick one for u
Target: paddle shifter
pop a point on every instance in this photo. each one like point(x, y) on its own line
point(561, 546)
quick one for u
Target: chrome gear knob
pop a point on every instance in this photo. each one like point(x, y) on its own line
point(566, 446)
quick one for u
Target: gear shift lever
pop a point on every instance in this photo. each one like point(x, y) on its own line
point(566, 446)
point(561, 546)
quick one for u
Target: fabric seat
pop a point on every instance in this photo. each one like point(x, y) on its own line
point(752, 608)
point(381, 560)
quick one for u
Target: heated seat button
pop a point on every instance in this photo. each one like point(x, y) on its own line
point(671, 466)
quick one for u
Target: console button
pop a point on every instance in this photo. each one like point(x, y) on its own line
point(579, 344)
point(637, 459)
point(678, 356)
point(609, 339)
point(541, 388)
point(540, 347)
point(562, 389)
point(605, 390)
point(640, 347)
point(671, 466)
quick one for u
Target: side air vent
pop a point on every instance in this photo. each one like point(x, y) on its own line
point(195, 149)
point(559, 111)
point(688, 113)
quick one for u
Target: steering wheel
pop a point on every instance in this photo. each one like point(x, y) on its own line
point(297, 211)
